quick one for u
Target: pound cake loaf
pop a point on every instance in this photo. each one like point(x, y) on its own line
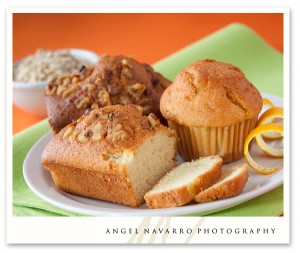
point(179, 186)
point(115, 153)
point(113, 80)
point(213, 107)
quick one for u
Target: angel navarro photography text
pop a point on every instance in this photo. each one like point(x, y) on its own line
point(211, 231)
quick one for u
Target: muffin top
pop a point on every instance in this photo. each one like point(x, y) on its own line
point(113, 80)
point(209, 93)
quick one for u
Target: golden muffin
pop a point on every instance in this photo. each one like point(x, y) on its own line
point(212, 106)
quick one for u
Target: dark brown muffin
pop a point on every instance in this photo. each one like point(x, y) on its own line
point(113, 80)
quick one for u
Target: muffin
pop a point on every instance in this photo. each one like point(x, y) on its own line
point(212, 107)
point(113, 80)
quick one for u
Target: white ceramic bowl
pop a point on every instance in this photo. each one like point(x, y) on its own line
point(30, 96)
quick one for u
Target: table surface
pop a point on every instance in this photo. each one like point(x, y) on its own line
point(147, 37)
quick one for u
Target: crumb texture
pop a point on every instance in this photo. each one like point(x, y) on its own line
point(182, 183)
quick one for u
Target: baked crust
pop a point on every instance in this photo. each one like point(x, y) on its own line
point(113, 80)
point(210, 94)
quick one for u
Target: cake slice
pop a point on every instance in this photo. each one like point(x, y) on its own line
point(184, 182)
point(231, 183)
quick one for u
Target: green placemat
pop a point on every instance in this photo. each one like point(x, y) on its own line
point(235, 44)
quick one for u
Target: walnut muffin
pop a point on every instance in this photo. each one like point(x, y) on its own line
point(113, 80)
point(212, 107)
point(115, 153)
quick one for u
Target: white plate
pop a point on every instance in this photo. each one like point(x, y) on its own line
point(40, 182)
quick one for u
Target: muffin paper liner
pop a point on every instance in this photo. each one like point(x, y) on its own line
point(227, 142)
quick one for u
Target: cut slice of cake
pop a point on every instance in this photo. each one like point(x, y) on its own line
point(184, 182)
point(231, 183)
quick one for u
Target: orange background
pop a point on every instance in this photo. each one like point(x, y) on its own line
point(147, 37)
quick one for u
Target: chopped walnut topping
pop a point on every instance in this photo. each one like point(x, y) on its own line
point(74, 135)
point(127, 72)
point(94, 106)
point(50, 90)
point(103, 115)
point(69, 91)
point(104, 97)
point(124, 100)
point(68, 131)
point(90, 119)
point(98, 81)
point(75, 79)
point(126, 63)
point(119, 136)
point(66, 81)
point(60, 90)
point(137, 89)
point(141, 109)
point(83, 103)
point(117, 128)
point(154, 121)
point(91, 87)
point(114, 89)
point(82, 137)
point(99, 132)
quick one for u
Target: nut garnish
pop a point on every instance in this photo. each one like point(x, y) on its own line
point(94, 106)
point(124, 100)
point(99, 132)
point(60, 90)
point(117, 128)
point(126, 63)
point(84, 102)
point(139, 108)
point(68, 131)
point(89, 119)
point(104, 97)
point(137, 89)
point(82, 138)
point(69, 91)
point(154, 121)
point(91, 86)
point(50, 90)
point(74, 135)
point(75, 79)
point(114, 89)
point(127, 72)
point(66, 81)
point(119, 136)
point(98, 81)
